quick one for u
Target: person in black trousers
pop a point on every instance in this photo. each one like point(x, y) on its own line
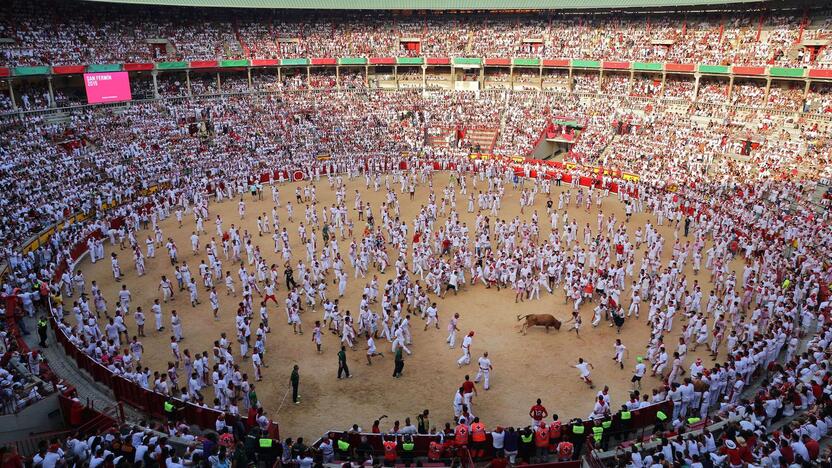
point(42, 327)
point(343, 368)
point(290, 280)
point(397, 371)
point(295, 379)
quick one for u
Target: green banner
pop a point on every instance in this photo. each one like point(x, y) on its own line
point(410, 61)
point(567, 123)
point(786, 72)
point(29, 71)
point(352, 61)
point(648, 66)
point(713, 69)
point(294, 62)
point(104, 67)
point(234, 63)
point(171, 65)
point(467, 61)
point(586, 63)
point(526, 62)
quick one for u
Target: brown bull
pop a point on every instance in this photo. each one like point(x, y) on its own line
point(539, 320)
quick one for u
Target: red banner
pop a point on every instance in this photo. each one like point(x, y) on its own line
point(500, 62)
point(205, 64)
point(818, 73)
point(616, 65)
point(323, 61)
point(748, 70)
point(68, 69)
point(264, 62)
point(382, 60)
point(138, 66)
point(680, 67)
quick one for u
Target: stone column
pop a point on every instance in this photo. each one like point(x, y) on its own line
point(11, 94)
point(155, 84)
point(52, 102)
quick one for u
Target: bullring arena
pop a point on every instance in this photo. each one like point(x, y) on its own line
point(588, 234)
point(538, 365)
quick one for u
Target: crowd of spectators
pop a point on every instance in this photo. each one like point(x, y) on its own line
point(66, 35)
point(679, 88)
point(97, 157)
point(786, 97)
point(20, 382)
point(712, 91)
point(615, 83)
point(585, 82)
point(126, 151)
point(747, 93)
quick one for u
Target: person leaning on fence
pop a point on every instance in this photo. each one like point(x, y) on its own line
point(435, 449)
point(578, 436)
point(478, 439)
point(661, 422)
point(600, 433)
point(389, 450)
point(527, 444)
point(461, 433)
point(268, 450)
point(408, 449)
point(343, 447)
point(327, 450)
point(541, 442)
point(621, 424)
point(170, 409)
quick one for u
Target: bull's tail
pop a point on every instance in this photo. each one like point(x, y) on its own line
point(519, 318)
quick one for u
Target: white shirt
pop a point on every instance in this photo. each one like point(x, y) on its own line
point(466, 342)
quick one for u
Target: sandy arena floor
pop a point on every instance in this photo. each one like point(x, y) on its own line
point(537, 365)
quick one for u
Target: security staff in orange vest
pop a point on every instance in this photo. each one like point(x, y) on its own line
point(541, 442)
point(435, 450)
point(389, 452)
point(477, 438)
point(555, 432)
point(565, 450)
point(461, 434)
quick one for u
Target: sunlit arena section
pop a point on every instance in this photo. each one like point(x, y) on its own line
point(286, 232)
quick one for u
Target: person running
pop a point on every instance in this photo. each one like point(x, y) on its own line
point(371, 349)
point(584, 367)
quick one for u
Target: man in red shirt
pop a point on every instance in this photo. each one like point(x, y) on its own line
point(499, 460)
point(730, 449)
point(469, 390)
point(812, 446)
point(538, 413)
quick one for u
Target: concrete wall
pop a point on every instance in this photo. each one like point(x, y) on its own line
point(43, 416)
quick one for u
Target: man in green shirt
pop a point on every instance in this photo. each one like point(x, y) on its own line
point(343, 368)
point(252, 398)
point(295, 379)
point(397, 372)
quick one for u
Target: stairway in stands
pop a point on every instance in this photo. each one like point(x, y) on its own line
point(438, 136)
point(486, 138)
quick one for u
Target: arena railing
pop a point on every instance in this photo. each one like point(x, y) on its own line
point(640, 420)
